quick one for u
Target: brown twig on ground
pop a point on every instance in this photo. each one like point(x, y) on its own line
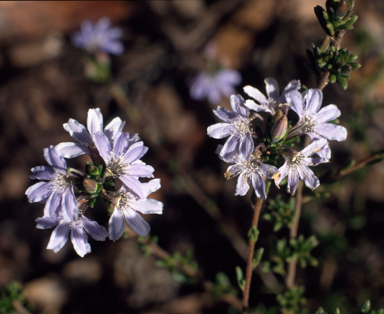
point(251, 248)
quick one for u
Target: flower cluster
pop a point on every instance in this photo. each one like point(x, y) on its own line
point(261, 138)
point(68, 193)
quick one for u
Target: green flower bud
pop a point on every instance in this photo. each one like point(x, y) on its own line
point(91, 186)
point(365, 307)
point(91, 169)
point(330, 28)
point(324, 44)
point(342, 9)
point(279, 129)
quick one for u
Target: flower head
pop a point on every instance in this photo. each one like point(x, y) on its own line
point(58, 192)
point(85, 138)
point(214, 86)
point(99, 37)
point(237, 125)
point(296, 166)
point(251, 171)
point(127, 206)
point(273, 100)
point(312, 119)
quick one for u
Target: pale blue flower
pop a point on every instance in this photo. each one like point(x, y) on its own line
point(237, 125)
point(251, 171)
point(122, 159)
point(57, 193)
point(85, 142)
point(128, 205)
point(214, 86)
point(296, 166)
point(312, 119)
point(271, 103)
point(99, 37)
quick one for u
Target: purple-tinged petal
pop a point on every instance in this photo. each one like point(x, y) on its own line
point(199, 88)
point(230, 146)
point(79, 240)
point(78, 132)
point(247, 146)
point(295, 99)
point(293, 181)
point(72, 150)
point(140, 170)
point(259, 185)
point(237, 104)
point(258, 108)
point(229, 76)
point(59, 236)
point(39, 191)
point(308, 177)
point(242, 185)
point(272, 88)
point(52, 206)
point(116, 125)
point(120, 144)
point(331, 131)
point(69, 205)
point(136, 222)
point(314, 161)
point(95, 121)
point(292, 85)
point(314, 100)
point(255, 94)
point(283, 170)
point(43, 173)
point(151, 186)
point(47, 222)
point(267, 170)
point(134, 152)
point(148, 206)
point(133, 184)
point(220, 130)
point(53, 158)
point(314, 147)
point(328, 113)
point(116, 225)
point(214, 96)
point(224, 114)
point(96, 231)
point(103, 146)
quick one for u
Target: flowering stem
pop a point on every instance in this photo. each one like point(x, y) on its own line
point(251, 248)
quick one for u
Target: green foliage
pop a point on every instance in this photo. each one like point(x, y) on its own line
point(280, 212)
point(144, 241)
point(278, 256)
point(11, 295)
point(177, 260)
point(222, 286)
point(240, 277)
point(364, 308)
point(253, 234)
point(301, 248)
point(292, 301)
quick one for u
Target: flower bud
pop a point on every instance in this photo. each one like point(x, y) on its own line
point(342, 9)
point(277, 116)
point(91, 169)
point(91, 186)
point(279, 129)
point(324, 44)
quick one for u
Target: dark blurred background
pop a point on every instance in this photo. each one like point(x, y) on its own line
point(42, 85)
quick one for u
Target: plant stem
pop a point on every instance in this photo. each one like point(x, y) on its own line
point(251, 248)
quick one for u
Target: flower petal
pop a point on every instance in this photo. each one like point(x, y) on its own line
point(220, 130)
point(242, 185)
point(272, 88)
point(293, 181)
point(134, 152)
point(308, 177)
point(148, 206)
point(46, 222)
point(247, 146)
point(313, 100)
point(140, 170)
point(59, 236)
point(295, 99)
point(237, 104)
point(133, 184)
point(79, 240)
point(259, 185)
point(328, 113)
point(151, 186)
point(331, 131)
point(103, 146)
point(136, 222)
point(72, 150)
point(116, 125)
point(95, 120)
point(43, 173)
point(39, 191)
point(116, 225)
point(52, 206)
point(53, 158)
point(255, 94)
point(69, 205)
point(78, 132)
point(96, 231)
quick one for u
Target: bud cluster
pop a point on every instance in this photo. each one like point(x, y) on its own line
point(68, 193)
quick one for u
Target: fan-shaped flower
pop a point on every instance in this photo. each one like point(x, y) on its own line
point(237, 125)
point(99, 37)
point(270, 103)
point(296, 166)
